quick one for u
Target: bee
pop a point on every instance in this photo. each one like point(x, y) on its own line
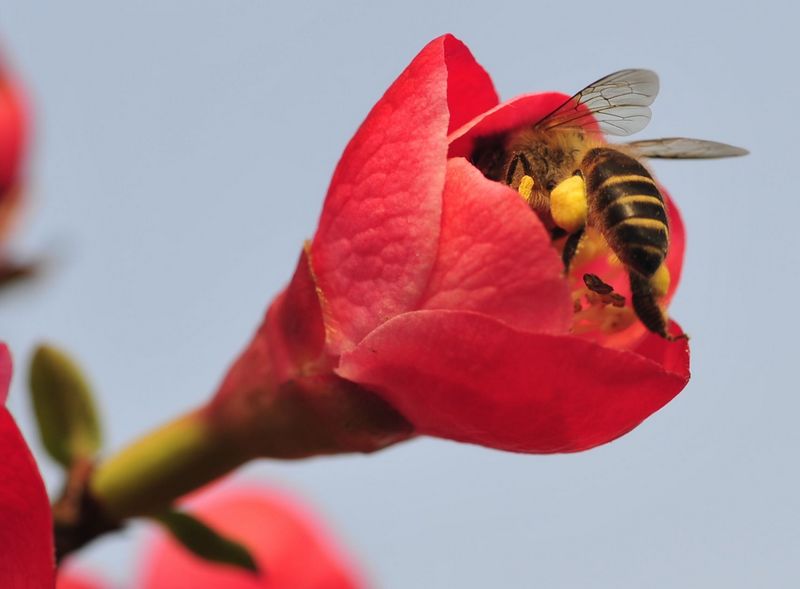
point(573, 179)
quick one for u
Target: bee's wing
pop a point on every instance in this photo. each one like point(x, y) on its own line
point(684, 148)
point(620, 103)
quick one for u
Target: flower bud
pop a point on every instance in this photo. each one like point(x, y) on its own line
point(13, 139)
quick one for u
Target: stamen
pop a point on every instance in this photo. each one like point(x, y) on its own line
point(599, 309)
point(602, 318)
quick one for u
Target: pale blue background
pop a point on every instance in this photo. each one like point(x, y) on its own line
point(182, 154)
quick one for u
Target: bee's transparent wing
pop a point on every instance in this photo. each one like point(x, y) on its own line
point(684, 148)
point(620, 103)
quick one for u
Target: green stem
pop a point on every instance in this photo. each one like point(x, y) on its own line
point(249, 418)
point(179, 457)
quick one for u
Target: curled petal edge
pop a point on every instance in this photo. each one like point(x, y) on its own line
point(471, 378)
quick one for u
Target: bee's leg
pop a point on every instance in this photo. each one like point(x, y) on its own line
point(645, 303)
point(571, 248)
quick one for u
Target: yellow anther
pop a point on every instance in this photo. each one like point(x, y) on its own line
point(568, 204)
point(659, 282)
point(602, 319)
point(525, 188)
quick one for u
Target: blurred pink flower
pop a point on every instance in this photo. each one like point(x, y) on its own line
point(287, 542)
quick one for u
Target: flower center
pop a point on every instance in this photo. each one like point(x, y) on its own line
point(600, 291)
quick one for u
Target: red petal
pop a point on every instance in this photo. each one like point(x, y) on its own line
point(285, 541)
point(495, 256)
point(470, 378)
point(522, 110)
point(470, 91)
point(673, 356)
point(379, 228)
point(26, 535)
point(677, 244)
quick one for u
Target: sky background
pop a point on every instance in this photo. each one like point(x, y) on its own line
point(182, 153)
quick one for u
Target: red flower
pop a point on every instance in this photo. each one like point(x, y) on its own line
point(12, 143)
point(439, 290)
point(26, 535)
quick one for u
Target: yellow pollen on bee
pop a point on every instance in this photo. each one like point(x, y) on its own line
point(568, 204)
point(525, 188)
point(659, 281)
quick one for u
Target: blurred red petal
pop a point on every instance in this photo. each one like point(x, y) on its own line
point(286, 542)
point(495, 256)
point(471, 378)
point(26, 534)
point(377, 236)
point(12, 132)
point(70, 579)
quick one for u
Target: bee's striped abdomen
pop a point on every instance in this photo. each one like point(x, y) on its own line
point(627, 207)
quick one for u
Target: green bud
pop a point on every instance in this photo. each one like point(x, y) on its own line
point(64, 407)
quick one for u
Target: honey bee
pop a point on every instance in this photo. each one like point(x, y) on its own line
point(573, 179)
